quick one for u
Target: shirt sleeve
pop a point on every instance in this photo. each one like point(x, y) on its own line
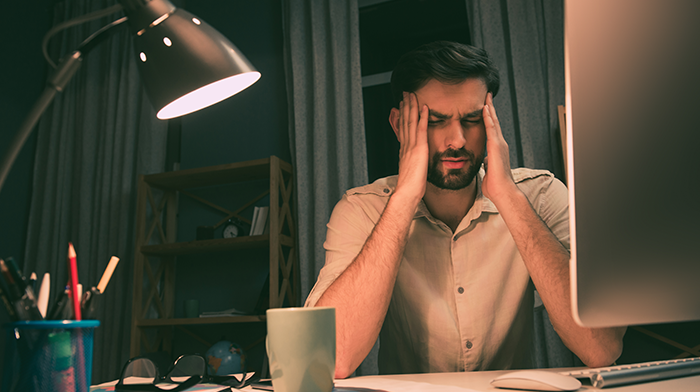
point(553, 209)
point(347, 231)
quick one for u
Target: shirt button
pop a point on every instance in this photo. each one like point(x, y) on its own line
point(469, 345)
point(387, 190)
point(460, 290)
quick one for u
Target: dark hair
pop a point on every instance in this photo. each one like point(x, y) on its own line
point(444, 61)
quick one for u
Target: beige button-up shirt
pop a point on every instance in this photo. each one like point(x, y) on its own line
point(462, 301)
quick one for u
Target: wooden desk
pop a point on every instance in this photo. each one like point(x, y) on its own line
point(480, 381)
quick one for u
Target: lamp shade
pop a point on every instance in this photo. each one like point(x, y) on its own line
point(185, 64)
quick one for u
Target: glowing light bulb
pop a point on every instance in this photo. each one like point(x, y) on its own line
point(208, 95)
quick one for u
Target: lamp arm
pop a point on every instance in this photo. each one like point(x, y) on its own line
point(100, 35)
point(58, 80)
point(73, 22)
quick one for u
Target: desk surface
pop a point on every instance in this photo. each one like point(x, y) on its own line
point(480, 381)
point(468, 381)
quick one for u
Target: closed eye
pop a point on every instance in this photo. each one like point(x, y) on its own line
point(472, 120)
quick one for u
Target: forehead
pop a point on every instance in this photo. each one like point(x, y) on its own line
point(451, 99)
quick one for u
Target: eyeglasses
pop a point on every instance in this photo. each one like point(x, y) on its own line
point(142, 374)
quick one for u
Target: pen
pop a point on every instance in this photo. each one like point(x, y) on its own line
point(91, 297)
point(44, 289)
point(8, 305)
point(107, 275)
point(32, 281)
point(16, 274)
point(60, 309)
point(22, 305)
point(6, 299)
point(21, 296)
point(73, 271)
point(88, 304)
point(13, 291)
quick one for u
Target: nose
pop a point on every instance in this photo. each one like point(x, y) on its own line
point(454, 136)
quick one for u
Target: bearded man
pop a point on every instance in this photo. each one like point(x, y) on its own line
point(443, 259)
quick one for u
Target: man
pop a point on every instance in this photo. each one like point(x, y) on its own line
point(442, 259)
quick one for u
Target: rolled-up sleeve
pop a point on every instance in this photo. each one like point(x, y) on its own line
point(350, 225)
point(554, 210)
point(550, 199)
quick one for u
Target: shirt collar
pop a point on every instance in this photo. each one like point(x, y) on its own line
point(481, 203)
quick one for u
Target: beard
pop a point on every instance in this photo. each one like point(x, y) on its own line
point(454, 179)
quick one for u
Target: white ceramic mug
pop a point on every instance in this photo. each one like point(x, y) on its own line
point(301, 349)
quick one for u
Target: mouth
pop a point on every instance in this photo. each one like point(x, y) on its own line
point(454, 163)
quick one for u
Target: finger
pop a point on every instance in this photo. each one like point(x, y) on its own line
point(492, 112)
point(399, 127)
point(412, 117)
point(488, 123)
point(404, 120)
point(423, 123)
point(407, 117)
point(402, 127)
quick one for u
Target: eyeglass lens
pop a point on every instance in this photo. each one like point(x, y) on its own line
point(140, 371)
point(185, 367)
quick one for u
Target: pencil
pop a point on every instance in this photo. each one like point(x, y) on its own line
point(107, 275)
point(73, 270)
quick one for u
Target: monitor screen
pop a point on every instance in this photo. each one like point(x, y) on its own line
point(633, 150)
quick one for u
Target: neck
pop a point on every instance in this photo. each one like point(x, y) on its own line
point(450, 206)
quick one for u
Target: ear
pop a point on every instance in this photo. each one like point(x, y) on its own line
point(394, 117)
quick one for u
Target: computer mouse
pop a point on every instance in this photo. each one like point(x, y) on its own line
point(536, 380)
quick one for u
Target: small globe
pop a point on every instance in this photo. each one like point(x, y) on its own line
point(224, 358)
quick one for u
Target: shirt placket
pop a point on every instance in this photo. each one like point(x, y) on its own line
point(467, 341)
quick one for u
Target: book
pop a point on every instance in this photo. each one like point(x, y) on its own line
point(256, 210)
point(222, 313)
point(260, 215)
point(262, 220)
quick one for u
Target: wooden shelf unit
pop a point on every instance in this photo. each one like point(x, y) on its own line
point(200, 321)
point(157, 248)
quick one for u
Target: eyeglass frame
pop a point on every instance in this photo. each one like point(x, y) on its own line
point(191, 381)
point(153, 387)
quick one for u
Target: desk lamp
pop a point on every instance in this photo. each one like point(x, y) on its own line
point(185, 65)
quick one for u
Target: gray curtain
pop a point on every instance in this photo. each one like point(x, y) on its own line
point(93, 142)
point(326, 117)
point(525, 39)
point(327, 131)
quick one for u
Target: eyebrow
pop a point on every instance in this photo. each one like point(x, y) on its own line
point(442, 116)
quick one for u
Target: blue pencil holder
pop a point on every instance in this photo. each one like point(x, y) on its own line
point(48, 356)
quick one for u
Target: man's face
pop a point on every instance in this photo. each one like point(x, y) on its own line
point(456, 134)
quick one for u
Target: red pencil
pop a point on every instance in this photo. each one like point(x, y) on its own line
point(73, 271)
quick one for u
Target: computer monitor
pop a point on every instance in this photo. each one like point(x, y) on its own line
point(633, 136)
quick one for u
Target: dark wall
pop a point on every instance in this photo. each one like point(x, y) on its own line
point(253, 123)
point(23, 75)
